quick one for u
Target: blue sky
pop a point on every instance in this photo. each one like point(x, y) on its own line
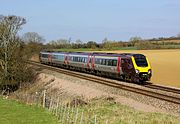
point(96, 19)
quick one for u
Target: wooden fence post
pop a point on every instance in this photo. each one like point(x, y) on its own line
point(95, 119)
point(44, 98)
point(76, 117)
point(81, 118)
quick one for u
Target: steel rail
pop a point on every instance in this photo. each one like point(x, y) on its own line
point(163, 88)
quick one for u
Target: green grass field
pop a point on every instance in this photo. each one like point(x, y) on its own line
point(12, 112)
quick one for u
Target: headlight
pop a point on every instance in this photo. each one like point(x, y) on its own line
point(137, 71)
point(149, 71)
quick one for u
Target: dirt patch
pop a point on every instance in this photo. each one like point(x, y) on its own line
point(77, 102)
point(69, 88)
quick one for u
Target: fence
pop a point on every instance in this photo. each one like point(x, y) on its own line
point(67, 111)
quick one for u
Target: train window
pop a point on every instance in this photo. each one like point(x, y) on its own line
point(114, 63)
point(55, 57)
point(103, 62)
point(75, 59)
point(109, 62)
point(97, 61)
point(45, 55)
point(85, 60)
point(141, 60)
point(81, 59)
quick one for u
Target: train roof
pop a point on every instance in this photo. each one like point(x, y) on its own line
point(95, 53)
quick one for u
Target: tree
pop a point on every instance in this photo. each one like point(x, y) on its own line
point(135, 40)
point(33, 43)
point(78, 41)
point(91, 44)
point(13, 69)
point(32, 37)
point(78, 44)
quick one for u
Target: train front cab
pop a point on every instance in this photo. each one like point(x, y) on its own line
point(142, 68)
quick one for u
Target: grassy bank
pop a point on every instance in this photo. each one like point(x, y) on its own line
point(117, 114)
point(12, 112)
point(103, 111)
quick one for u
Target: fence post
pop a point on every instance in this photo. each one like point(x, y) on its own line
point(68, 113)
point(64, 113)
point(95, 119)
point(106, 121)
point(71, 114)
point(76, 116)
point(59, 111)
point(44, 98)
point(57, 106)
point(81, 118)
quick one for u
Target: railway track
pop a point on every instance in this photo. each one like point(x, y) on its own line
point(163, 88)
point(161, 96)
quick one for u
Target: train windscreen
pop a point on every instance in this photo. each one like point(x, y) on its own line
point(140, 60)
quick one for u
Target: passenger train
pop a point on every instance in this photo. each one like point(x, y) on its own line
point(125, 66)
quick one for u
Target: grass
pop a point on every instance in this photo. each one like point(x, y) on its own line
point(121, 114)
point(13, 112)
point(170, 46)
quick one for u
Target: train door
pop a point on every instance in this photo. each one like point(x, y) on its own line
point(126, 66)
point(49, 58)
point(92, 62)
point(122, 66)
point(88, 61)
point(65, 59)
point(118, 65)
point(40, 56)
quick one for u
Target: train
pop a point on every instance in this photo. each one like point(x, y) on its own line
point(124, 66)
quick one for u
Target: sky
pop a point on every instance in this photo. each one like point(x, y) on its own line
point(96, 19)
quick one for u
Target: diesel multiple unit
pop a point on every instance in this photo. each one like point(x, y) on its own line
point(126, 66)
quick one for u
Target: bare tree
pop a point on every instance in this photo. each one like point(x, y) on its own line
point(33, 43)
point(10, 25)
point(32, 37)
point(12, 62)
point(135, 40)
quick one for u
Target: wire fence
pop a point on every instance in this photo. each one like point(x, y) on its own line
point(67, 111)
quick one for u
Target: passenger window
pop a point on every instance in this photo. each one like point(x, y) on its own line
point(109, 62)
point(103, 62)
point(85, 60)
point(114, 63)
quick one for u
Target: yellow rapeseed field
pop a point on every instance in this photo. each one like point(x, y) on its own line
point(165, 65)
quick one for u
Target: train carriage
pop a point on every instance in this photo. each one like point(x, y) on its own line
point(127, 66)
point(79, 61)
point(104, 64)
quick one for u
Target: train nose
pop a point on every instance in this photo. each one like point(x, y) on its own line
point(144, 76)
